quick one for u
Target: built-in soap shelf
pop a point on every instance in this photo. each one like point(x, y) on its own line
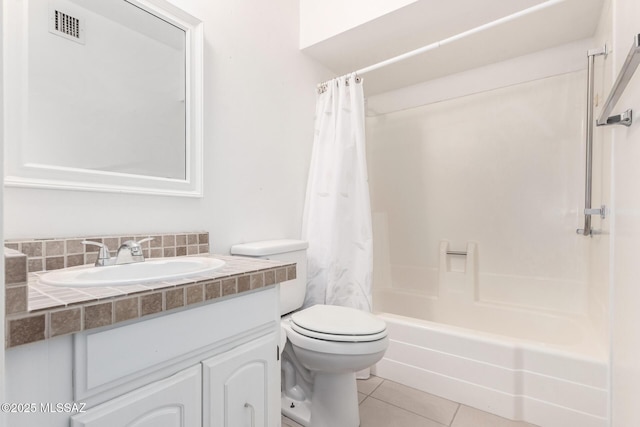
point(458, 271)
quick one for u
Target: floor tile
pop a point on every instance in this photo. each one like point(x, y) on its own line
point(361, 397)
point(376, 413)
point(419, 402)
point(368, 386)
point(287, 422)
point(471, 417)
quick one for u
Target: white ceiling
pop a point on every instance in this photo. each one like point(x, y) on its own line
point(427, 21)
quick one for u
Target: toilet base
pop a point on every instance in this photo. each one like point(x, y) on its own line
point(334, 402)
point(297, 410)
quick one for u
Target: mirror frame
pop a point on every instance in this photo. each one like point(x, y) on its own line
point(20, 173)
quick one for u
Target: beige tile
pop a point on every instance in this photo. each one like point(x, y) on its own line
point(169, 252)
point(175, 298)
point(169, 240)
point(269, 278)
point(156, 242)
point(126, 309)
point(181, 251)
point(471, 417)
point(156, 253)
point(26, 330)
point(54, 263)
point(195, 293)
point(32, 249)
point(151, 303)
point(36, 264)
point(113, 243)
point(65, 321)
point(75, 260)
point(229, 287)
point(256, 281)
point(203, 238)
point(291, 272)
point(376, 413)
point(281, 275)
point(54, 247)
point(181, 240)
point(98, 315)
point(74, 246)
point(361, 397)
point(286, 422)
point(15, 269)
point(212, 290)
point(192, 239)
point(416, 401)
point(244, 283)
point(16, 299)
point(367, 386)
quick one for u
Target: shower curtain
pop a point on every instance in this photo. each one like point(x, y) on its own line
point(337, 212)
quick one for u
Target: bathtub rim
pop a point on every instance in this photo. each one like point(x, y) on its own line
point(595, 354)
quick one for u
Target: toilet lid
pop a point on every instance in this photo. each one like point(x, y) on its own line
point(335, 323)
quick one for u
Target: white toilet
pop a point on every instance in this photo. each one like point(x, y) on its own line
point(325, 345)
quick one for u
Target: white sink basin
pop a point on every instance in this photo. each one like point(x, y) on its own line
point(157, 270)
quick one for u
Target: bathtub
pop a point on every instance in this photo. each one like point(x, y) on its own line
point(522, 364)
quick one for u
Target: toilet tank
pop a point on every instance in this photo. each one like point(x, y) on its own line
point(292, 291)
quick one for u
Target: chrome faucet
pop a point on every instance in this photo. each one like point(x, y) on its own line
point(104, 258)
point(131, 251)
point(128, 252)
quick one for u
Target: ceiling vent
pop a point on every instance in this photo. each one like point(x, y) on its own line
point(66, 25)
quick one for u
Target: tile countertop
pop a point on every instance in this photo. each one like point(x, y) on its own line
point(53, 311)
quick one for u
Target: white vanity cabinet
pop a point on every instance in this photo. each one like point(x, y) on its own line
point(172, 402)
point(213, 364)
point(241, 387)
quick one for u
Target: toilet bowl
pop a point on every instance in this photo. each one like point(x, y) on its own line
point(329, 344)
point(325, 346)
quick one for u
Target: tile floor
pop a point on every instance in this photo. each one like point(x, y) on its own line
point(384, 403)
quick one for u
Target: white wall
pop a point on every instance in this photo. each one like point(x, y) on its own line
point(259, 104)
point(626, 237)
point(504, 168)
point(325, 19)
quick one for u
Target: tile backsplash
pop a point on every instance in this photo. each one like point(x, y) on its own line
point(53, 254)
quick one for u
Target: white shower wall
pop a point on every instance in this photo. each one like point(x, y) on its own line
point(502, 168)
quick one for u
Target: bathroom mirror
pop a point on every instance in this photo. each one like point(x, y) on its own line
point(103, 95)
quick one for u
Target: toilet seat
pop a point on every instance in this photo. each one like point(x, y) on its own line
point(332, 346)
point(336, 323)
point(338, 338)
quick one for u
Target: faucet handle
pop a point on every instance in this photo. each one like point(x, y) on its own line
point(131, 251)
point(146, 239)
point(103, 253)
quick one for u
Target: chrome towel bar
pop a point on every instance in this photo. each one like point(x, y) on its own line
point(586, 230)
point(628, 68)
point(626, 118)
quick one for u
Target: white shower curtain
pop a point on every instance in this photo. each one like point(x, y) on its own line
point(337, 213)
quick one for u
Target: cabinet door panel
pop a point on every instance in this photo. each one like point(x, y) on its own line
point(173, 402)
point(240, 385)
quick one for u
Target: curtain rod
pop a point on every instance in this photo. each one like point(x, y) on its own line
point(459, 36)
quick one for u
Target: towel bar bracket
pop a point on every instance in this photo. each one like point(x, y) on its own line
point(602, 211)
point(625, 119)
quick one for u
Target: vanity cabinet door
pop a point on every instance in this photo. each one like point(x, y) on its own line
point(173, 402)
point(241, 386)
